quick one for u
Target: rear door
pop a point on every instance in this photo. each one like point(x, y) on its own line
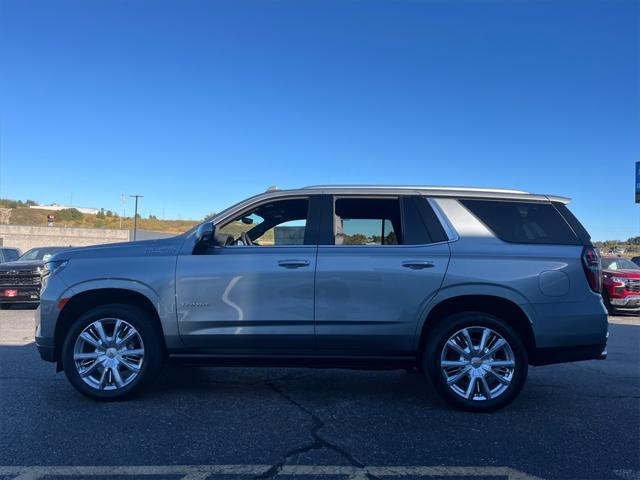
point(388, 259)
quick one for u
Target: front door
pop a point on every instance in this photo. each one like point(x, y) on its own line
point(253, 295)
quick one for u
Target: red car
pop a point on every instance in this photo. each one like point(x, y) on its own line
point(620, 283)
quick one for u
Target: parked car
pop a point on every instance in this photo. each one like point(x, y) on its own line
point(636, 260)
point(9, 254)
point(467, 285)
point(621, 283)
point(20, 279)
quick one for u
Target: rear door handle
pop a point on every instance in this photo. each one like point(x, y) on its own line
point(418, 264)
point(293, 263)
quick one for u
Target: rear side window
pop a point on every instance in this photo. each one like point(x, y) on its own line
point(523, 222)
point(367, 221)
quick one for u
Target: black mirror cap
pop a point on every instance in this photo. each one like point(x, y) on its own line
point(206, 233)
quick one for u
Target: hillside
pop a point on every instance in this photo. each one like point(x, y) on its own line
point(23, 215)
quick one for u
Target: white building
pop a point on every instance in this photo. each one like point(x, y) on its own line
point(55, 207)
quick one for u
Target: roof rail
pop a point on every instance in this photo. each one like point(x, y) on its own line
point(418, 187)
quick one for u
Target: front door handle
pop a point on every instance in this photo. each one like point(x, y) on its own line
point(418, 264)
point(293, 263)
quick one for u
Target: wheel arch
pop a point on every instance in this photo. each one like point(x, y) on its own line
point(86, 300)
point(499, 306)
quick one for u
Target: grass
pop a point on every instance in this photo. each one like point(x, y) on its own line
point(29, 216)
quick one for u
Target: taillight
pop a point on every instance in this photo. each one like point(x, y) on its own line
point(592, 268)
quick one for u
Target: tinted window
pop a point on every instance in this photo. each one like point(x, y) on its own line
point(10, 255)
point(277, 223)
point(367, 221)
point(523, 222)
point(575, 224)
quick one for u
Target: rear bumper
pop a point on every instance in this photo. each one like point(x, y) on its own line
point(630, 301)
point(548, 356)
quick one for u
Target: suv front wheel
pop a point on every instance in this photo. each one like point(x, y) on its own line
point(475, 361)
point(111, 351)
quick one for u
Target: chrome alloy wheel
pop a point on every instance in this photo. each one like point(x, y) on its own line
point(108, 354)
point(477, 363)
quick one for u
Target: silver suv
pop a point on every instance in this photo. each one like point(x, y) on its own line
point(467, 285)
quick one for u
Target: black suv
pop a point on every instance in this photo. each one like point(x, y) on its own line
point(8, 254)
point(20, 279)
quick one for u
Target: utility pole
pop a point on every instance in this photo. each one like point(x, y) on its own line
point(122, 201)
point(135, 216)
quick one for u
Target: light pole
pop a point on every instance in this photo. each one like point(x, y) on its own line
point(135, 216)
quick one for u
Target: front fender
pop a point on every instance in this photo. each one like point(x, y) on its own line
point(120, 284)
point(161, 297)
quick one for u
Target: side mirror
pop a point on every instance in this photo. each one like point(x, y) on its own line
point(206, 233)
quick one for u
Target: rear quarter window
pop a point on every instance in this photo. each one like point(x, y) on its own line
point(523, 222)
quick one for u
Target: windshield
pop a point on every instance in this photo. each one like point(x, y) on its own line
point(618, 264)
point(40, 254)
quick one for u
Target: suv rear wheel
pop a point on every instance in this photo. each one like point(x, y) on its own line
point(475, 361)
point(111, 351)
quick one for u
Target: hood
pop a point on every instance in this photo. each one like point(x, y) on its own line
point(21, 265)
point(160, 247)
point(622, 273)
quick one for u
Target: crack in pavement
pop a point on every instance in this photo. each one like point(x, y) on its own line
point(318, 442)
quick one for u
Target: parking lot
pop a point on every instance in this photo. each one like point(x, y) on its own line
point(578, 421)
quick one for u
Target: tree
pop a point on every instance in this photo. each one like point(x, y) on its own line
point(68, 214)
point(100, 214)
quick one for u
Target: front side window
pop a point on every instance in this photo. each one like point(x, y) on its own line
point(367, 221)
point(277, 223)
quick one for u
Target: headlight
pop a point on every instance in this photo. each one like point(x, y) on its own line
point(51, 268)
point(620, 280)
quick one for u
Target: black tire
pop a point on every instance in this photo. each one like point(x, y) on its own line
point(150, 333)
point(448, 327)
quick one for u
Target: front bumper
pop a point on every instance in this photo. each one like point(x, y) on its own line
point(19, 295)
point(630, 301)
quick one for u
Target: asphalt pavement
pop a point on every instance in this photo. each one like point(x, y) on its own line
point(572, 421)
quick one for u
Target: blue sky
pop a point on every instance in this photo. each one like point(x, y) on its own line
point(198, 104)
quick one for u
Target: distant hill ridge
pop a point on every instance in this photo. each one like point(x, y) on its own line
point(17, 212)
